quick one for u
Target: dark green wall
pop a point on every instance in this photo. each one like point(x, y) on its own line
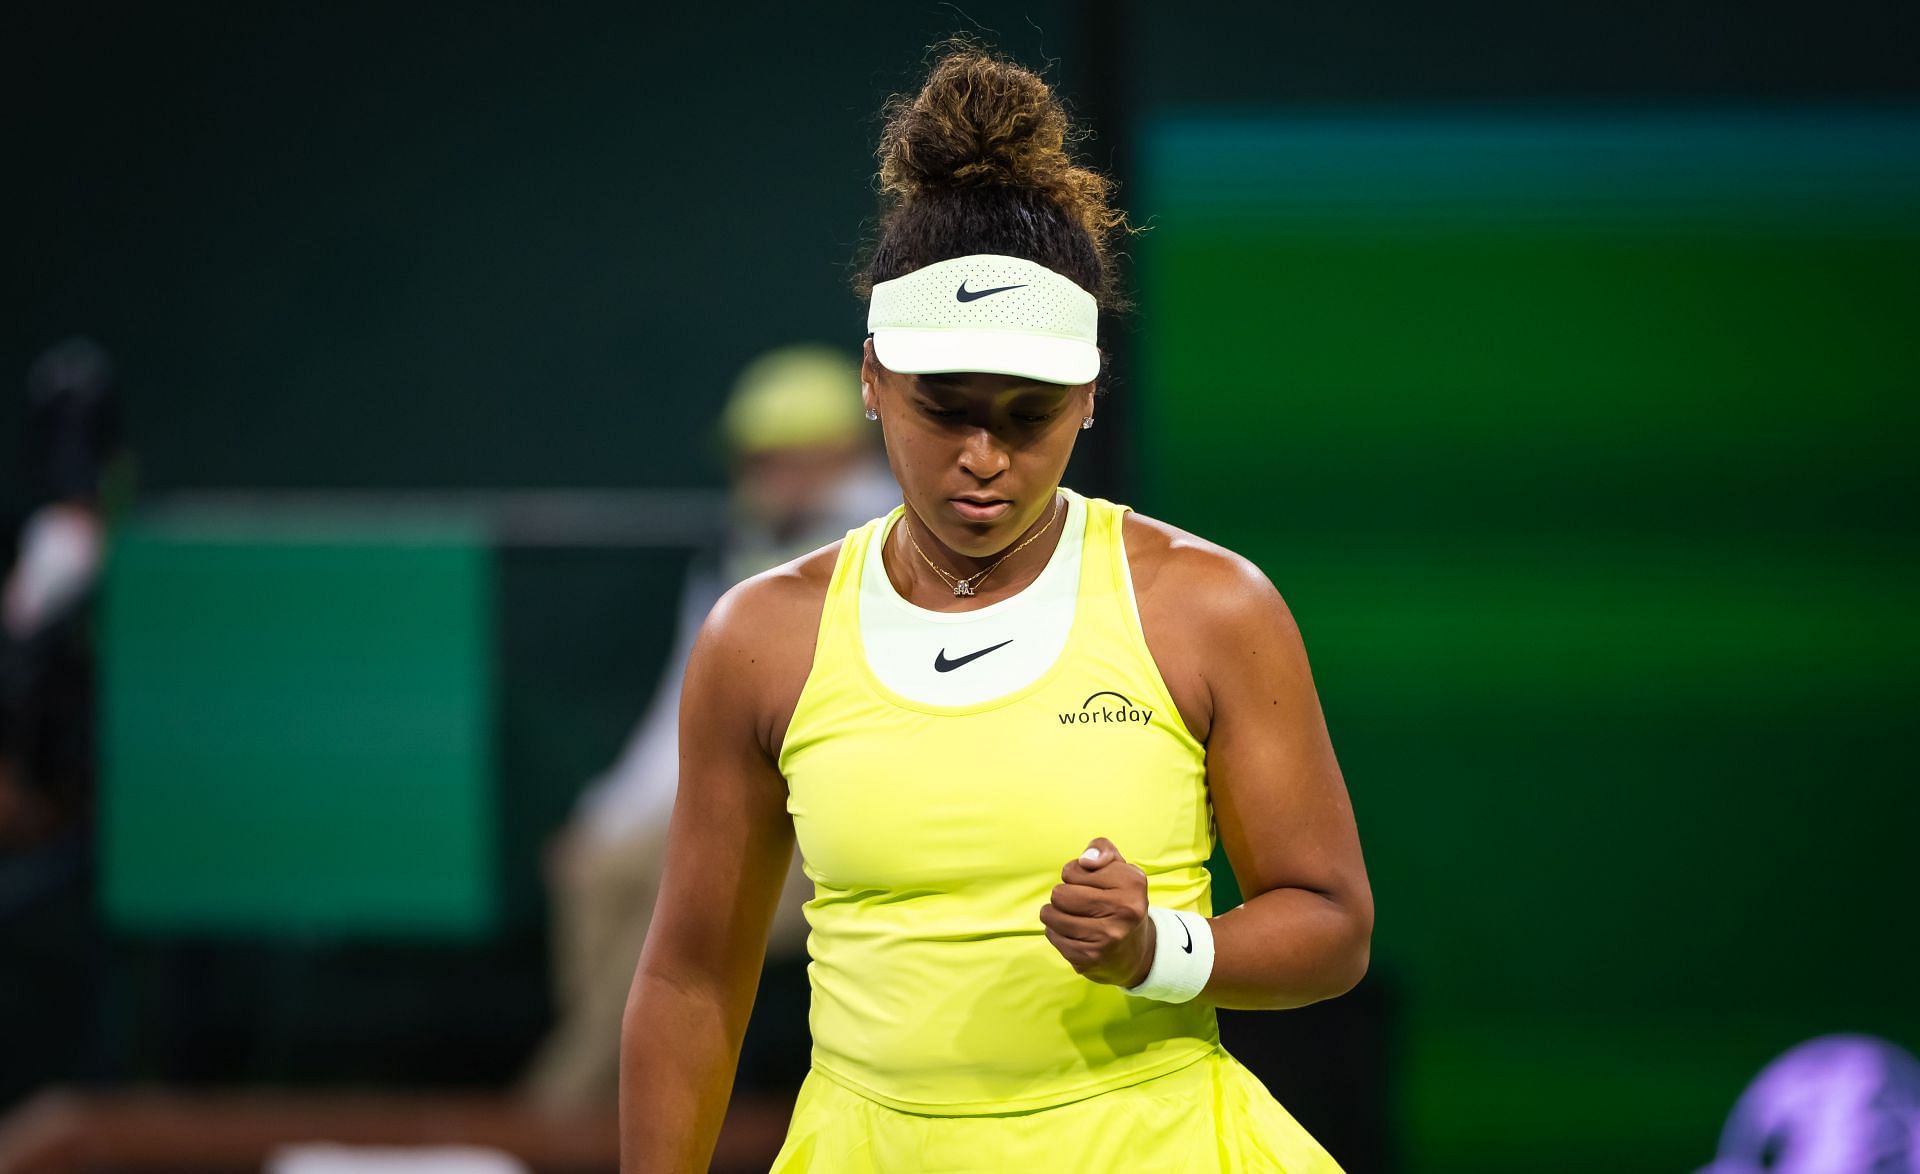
point(1580, 447)
point(495, 244)
point(486, 245)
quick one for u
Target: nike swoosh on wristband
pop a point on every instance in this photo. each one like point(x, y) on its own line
point(942, 665)
point(1188, 948)
point(973, 295)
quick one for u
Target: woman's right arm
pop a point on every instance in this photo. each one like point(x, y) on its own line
point(728, 849)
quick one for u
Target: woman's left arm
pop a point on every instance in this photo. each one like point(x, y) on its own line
point(1286, 822)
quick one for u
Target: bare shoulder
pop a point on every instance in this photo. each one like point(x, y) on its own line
point(756, 647)
point(1208, 615)
point(1207, 583)
point(762, 609)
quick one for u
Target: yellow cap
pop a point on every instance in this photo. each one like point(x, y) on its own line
point(793, 397)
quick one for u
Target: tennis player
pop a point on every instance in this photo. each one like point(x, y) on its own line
point(1005, 722)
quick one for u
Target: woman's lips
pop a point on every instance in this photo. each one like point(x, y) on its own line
point(974, 511)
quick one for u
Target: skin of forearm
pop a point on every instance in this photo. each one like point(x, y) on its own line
point(678, 1052)
point(1286, 948)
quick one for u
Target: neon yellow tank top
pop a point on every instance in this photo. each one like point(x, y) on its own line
point(934, 834)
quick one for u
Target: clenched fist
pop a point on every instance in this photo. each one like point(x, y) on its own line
point(1098, 916)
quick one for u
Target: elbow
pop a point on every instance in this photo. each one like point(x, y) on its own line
point(1337, 966)
point(630, 1024)
point(1360, 947)
point(1353, 968)
point(1350, 962)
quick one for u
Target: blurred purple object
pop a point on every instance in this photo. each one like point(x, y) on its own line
point(1840, 1104)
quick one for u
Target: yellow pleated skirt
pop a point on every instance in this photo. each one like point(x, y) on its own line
point(1212, 1116)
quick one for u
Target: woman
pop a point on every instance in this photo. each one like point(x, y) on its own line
point(1004, 722)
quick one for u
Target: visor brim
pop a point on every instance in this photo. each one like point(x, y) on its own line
point(1047, 358)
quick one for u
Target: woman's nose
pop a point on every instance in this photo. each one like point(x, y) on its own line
point(982, 455)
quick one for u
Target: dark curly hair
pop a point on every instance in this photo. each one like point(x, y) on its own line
point(979, 161)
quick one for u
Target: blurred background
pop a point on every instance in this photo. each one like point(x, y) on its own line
point(372, 372)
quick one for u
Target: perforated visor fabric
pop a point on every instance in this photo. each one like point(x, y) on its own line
point(989, 313)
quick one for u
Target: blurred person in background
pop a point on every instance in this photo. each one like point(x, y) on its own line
point(46, 661)
point(1003, 722)
point(51, 952)
point(804, 470)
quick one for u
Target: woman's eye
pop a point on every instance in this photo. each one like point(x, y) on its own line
point(1025, 418)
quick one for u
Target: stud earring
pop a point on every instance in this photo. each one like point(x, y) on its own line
point(1086, 422)
point(873, 414)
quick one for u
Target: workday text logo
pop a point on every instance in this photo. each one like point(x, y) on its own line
point(1107, 708)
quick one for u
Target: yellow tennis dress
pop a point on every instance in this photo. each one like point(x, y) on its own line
point(949, 1035)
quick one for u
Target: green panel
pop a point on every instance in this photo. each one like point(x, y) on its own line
point(1581, 449)
point(298, 730)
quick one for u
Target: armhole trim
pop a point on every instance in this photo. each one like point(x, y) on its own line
point(1123, 571)
point(846, 560)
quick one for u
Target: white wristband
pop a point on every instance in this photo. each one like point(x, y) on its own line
point(1182, 956)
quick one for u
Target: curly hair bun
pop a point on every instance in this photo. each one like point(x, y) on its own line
point(984, 121)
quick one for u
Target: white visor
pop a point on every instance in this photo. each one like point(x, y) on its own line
point(1000, 315)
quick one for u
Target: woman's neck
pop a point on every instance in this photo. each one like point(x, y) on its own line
point(962, 582)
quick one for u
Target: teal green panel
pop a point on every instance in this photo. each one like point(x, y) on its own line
point(297, 730)
point(1581, 449)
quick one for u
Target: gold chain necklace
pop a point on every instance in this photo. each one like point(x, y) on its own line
point(965, 586)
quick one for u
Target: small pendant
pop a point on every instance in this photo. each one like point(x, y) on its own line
point(962, 588)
